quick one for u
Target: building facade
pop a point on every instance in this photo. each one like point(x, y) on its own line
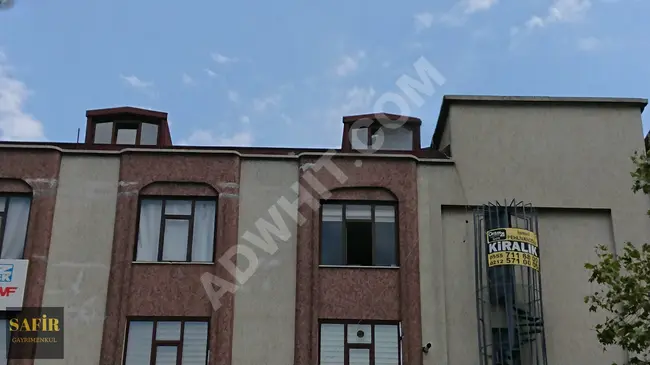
point(164, 254)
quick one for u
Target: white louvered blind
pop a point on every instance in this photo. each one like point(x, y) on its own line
point(386, 345)
point(332, 346)
point(195, 343)
point(138, 350)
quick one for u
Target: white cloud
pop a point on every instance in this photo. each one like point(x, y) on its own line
point(561, 11)
point(589, 44)
point(204, 137)
point(187, 79)
point(135, 82)
point(261, 105)
point(245, 119)
point(210, 72)
point(233, 96)
point(472, 6)
point(221, 59)
point(15, 123)
point(423, 20)
point(287, 119)
point(349, 63)
point(461, 11)
point(355, 101)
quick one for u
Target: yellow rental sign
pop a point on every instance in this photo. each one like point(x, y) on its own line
point(512, 246)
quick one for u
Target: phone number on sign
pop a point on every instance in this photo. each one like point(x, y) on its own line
point(513, 258)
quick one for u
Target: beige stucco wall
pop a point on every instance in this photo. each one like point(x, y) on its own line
point(575, 160)
point(265, 303)
point(80, 253)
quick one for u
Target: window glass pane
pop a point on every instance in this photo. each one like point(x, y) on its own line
point(138, 347)
point(332, 248)
point(175, 243)
point(203, 240)
point(359, 138)
point(385, 245)
point(149, 230)
point(168, 331)
point(386, 345)
point(359, 357)
point(166, 355)
point(2, 204)
point(104, 133)
point(385, 214)
point(17, 217)
point(358, 242)
point(178, 207)
point(332, 344)
point(357, 212)
point(399, 138)
point(126, 136)
point(149, 134)
point(195, 343)
point(332, 213)
point(354, 330)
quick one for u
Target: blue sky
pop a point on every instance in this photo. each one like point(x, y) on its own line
point(283, 73)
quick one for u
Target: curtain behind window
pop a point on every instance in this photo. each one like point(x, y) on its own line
point(149, 231)
point(13, 243)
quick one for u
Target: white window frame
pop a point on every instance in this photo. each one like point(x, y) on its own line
point(180, 342)
point(155, 217)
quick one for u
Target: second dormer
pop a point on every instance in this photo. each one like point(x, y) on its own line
point(127, 126)
point(381, 132)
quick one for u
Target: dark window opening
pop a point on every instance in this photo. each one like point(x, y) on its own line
point(359, 234)
point(359, 242)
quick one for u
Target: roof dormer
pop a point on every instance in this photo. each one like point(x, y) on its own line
point(381, 131)
point(127, 126)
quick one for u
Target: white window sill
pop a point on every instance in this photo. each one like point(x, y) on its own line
point(171, 263)
point(357, 267)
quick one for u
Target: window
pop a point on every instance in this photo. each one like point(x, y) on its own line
point(126, 133)
point(395, 137)
point(360, 344)
point(149, 134)
point(104, 133)
point(14, 216)
point(167, 342)
point(176, 229)
point(358, 234)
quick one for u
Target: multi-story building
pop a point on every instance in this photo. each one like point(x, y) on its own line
point(164, 254)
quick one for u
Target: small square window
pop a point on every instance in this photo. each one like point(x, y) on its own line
point(126, 134)
point(104, 133)
point(149, 134)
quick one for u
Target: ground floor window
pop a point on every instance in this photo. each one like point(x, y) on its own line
point(360, 343)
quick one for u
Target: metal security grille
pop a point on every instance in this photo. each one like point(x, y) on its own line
point(508, 285)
